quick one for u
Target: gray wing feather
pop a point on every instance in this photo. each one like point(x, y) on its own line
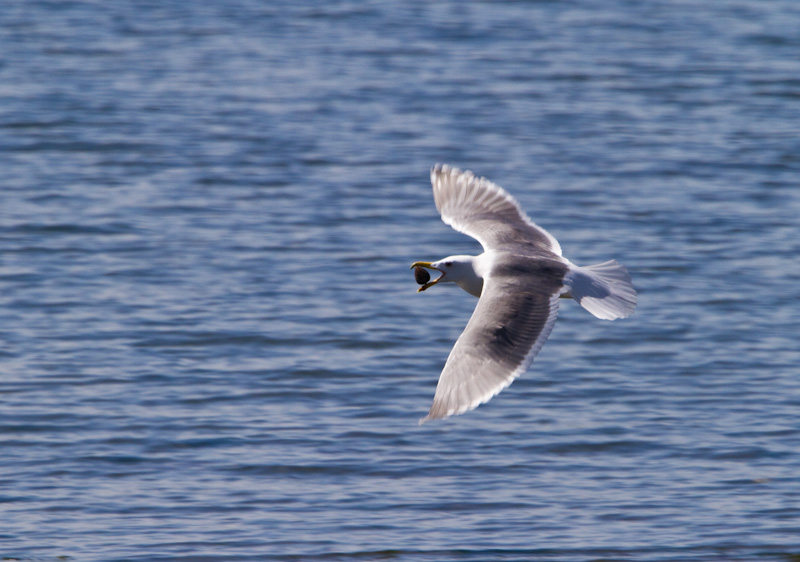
point(509, 326)
point(485, 211)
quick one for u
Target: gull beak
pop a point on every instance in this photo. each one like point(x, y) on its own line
point(427, 265)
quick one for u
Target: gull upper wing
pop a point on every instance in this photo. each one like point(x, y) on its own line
point(511, 322)
point(485, 211)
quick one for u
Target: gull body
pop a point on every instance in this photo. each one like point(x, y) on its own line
point(519, 279)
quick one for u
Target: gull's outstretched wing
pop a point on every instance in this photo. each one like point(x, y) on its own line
point(513, 318)
point(485, 211)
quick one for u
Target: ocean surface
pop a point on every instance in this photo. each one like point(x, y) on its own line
point(211, 345)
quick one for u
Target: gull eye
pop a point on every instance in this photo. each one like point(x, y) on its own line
point(448, 263)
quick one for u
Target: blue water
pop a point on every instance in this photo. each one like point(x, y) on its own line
point(211, 347)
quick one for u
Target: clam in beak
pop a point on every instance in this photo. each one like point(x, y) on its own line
point(427, 265)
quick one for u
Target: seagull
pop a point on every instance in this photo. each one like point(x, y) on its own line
point(519, 279)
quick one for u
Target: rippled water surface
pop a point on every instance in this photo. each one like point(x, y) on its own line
point(211, 347)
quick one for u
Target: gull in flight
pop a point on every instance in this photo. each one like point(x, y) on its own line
point(519, 279)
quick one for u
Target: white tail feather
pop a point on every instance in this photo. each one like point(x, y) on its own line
point(604, 289)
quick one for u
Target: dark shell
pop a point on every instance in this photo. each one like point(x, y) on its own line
point(421, 275)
